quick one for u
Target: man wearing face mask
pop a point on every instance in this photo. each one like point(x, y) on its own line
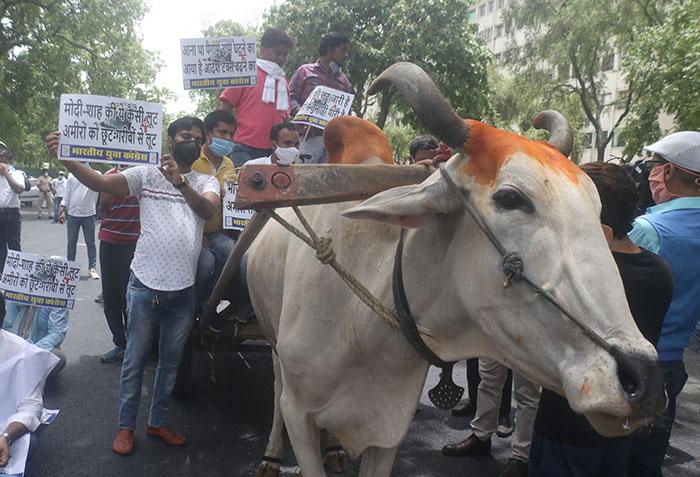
point(219, 129)
point(327, 71)
point(671, 229)
point(175, 202)
point(284, 139)
point(260, 107)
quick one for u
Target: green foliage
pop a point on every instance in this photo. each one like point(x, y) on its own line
point(665, 62)
point(400, 137)
point(576, 37)
point(431, 33)
point(66, 46)
point(208, 99)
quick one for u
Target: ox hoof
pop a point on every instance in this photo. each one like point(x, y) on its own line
point(268, 469)
point(337, 461)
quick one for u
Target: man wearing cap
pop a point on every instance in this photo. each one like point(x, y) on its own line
point(671, 229)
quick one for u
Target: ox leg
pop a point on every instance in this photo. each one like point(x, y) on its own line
point(336, 458)
point(306, 440)
point(271, 461)
point(377, 461)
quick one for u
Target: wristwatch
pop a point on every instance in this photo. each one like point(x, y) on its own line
point(7, 437)
point(183, 183)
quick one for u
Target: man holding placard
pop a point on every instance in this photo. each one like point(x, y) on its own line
point(327, 71)
point(260, 107)
point(175, 203)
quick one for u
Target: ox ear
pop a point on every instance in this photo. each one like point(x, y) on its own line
point(406, 206)
point(351, 140)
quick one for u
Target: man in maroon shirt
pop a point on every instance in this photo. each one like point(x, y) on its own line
point(327, 71)
point(119, 231)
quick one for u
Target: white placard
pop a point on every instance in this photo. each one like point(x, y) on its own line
point(36, 280)
point(234, 219)
point(218, 62)
point(322, 105)
point(112, 130)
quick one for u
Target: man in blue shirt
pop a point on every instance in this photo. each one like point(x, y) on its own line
point(671, 229)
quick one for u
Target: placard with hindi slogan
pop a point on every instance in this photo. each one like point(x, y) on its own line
point(322, 105)
point(36, 280)
point(218, 62)
point(112, 130)
point(234, 219)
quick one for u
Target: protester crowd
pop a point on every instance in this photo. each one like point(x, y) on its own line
point(163, 246)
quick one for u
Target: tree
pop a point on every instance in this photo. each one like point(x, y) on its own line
point(50, 47)
point(434, 34)
point(665, 62)
point(208, 99)
point(574, 42)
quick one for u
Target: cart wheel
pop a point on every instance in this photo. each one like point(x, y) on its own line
point(186, 372)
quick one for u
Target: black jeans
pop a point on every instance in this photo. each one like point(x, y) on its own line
point(10, 231)
point(115, 261)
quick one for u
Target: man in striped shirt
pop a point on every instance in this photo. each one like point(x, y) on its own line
point(119, 231)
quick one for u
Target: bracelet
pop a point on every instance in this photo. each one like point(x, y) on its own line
point(7, 437)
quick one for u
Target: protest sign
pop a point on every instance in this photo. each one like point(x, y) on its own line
point(218, 62)
point(112, 130)
point(35, 280)
point(234, 219)
point(322, 105)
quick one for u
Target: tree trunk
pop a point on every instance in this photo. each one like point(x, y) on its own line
point(384, 107)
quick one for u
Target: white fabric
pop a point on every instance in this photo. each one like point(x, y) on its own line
point(681, 148)
point(78, 200)
point(8, 197)
point(171, 232)
point(275, 82)
point(23, 370)
point(260, 160)
point(59, 185)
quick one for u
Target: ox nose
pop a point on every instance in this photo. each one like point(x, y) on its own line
point(641, 381)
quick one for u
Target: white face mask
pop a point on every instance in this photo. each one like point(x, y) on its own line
point(286, 155)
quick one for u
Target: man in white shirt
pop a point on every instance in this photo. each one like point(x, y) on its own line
point(58, 187)
point(175, 202)
point(78, 206)
point(23, 371)
point(11, 185)
point(284, 141)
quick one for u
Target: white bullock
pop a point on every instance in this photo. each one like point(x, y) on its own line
point(345, 370)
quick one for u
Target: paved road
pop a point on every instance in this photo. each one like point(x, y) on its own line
point(227, 421)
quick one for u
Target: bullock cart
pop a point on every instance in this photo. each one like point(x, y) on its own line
point(264, 188)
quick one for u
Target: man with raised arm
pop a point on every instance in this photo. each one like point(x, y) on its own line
point(175, 203)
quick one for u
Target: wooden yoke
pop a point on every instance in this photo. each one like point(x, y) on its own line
point(269, 186)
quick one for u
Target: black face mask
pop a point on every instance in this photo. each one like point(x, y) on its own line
point(186, 152)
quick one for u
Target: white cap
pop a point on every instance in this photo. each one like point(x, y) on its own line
point(681, 148)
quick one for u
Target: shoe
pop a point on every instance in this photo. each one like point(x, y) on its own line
point(167, 435)
point(100, 299)
point(465, 408)
point(123, 443)
point(515, 468)
point(505, 427)
point(92, 273)
point(117, 354)
point(472, 445)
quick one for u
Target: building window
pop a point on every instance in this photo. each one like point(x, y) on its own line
point(617, 141)
point(607, 99)
point(608, 62)
point(491, 6)
point(482, 10)
point(501, 3)
point(471, 16)
point(588, 140)
point(605, 135)
point(498, 31)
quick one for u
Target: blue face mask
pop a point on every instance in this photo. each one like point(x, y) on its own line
point(221, 147)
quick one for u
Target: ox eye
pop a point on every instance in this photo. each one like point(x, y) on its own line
point(510, 198)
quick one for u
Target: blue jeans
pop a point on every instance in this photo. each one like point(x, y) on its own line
point(220, 246)
point(73, 227)
point(56, 206)
point(171, 313)
point(242, 153)
point(650, 443)
point(550, 458)
point(204, 279)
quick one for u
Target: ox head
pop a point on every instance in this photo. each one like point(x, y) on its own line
point(543, 207)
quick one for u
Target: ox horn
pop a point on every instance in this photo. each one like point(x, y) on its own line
point(426, 100)
point(560, 135)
